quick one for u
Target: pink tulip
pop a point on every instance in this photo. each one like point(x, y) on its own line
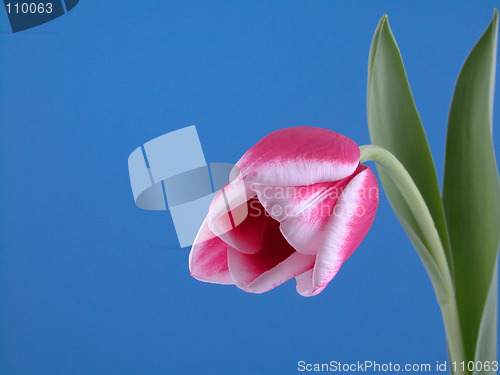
point(299, 203)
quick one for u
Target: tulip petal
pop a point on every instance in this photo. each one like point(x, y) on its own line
point(228, 208)
point(299, 156)
point(348, 225)
point(282, 202)
point(248, 235)
point(291, 267)
point(276, 263)
point(304, 283)
point(237, 217)
point(208, 257)
point(302, 210)
point(243, 225)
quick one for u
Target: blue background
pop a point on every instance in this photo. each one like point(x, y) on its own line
point(90, 284)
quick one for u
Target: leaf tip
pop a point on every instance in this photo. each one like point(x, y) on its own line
point(494, 19)
point(384, 21)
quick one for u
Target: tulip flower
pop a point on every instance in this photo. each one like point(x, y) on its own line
point(297, 206)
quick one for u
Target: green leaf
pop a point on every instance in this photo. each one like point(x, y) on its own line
point(437, 279)
point(471, 193)
point(486, 347)
point(395, 125)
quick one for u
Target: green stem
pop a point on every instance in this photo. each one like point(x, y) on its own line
point(423, 218)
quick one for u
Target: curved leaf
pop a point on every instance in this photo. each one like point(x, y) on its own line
point(440, 288)
point(487, 339)
point(395, 125)
point(471, 192)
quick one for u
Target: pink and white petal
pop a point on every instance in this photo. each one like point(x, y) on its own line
point(228, 208)
point(247, 268)
point(291, 267)
point(282, 202)
point(237, 217)
point(208, 258)
point(348, 225)
point(305, 232)
point(299, 156)
point(304, 283)
point(248, 236)
point(302, 210)
point(305, 238)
